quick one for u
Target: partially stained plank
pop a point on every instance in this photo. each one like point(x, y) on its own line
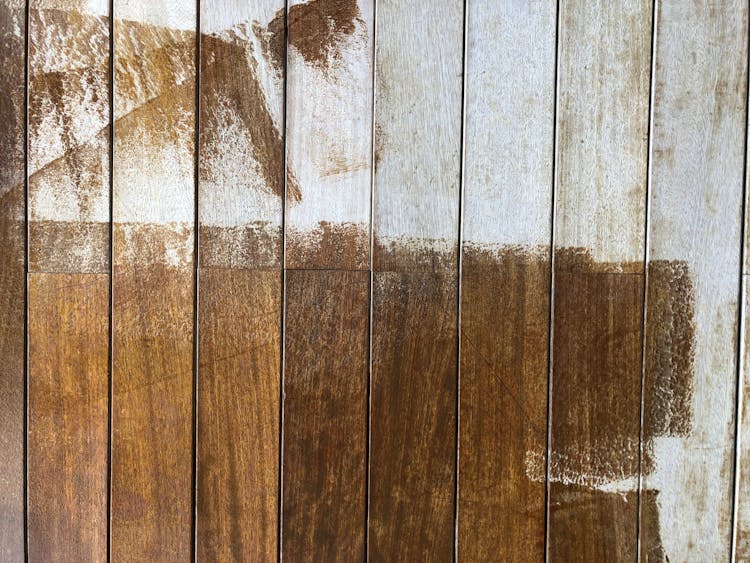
point(325, 409)
point(12, 277)
point(415, 305)
point(68, 373)
point(505, 280)
point(329, 146)
point(329, 133)
point(598, 279)
point(153, 191)
point(239, 204)
point(694, 268)
point(68, 416)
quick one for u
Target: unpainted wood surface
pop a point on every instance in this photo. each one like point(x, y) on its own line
point(598, 281)
point(152, 378)
point(325, 415)
point(414, 359)
point(68, 439)
point(240, 292)
point(505, 277)
point(12, 279)
point(698, 142)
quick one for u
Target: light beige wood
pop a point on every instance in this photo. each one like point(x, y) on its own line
point(697, 164)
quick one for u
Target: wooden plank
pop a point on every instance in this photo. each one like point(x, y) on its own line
point(68, 440)
point(325, 410)
point(418, 86)
point(12, 277)
point(152, 401)
point(598, 285)
point(694, 269)
point(329, 133)
point(69, 136)
point(240, 206)
point(68, 416)
point(506, 280)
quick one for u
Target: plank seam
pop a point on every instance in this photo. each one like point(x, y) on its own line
point(111, 235)
point(26, 285)
point(551, 314)
point(741, 325)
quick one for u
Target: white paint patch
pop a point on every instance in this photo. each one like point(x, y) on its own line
point(174, 14)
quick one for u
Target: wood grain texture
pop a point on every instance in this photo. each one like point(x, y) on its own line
point(12, 278)
point(239, 372)
point(419, 74)
point(699, 120)
point(325, 415)
point(598, 285)
point(505, 280)
point(329, 133)
point(238, 414)
point(68, 416)
point(69, 136)
point(152, 380)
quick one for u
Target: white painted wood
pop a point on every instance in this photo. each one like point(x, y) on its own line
point(418, 123)
point(695, 217)
point(329, 125)
point(509, 123)
point(603, 90)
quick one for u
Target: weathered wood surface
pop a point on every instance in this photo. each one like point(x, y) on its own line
point(153, 198)
point(415, 296)
point(12, 278)
point(239, 208)
point(68, 416)
point(505, 277)
point(325, 410)
point(68, 299)
point(598, 279)
point(693, 280)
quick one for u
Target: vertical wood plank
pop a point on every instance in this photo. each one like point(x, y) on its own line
point(239, 206)
point(325, 405)
point(12, 277)
point(328, 192)
point(506, 280)
point(598, 285)
point(68, 416)
point(152, 402)
point(694, 268)
point(419, 68)
point(68, 166)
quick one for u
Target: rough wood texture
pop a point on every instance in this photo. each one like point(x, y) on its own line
point(12, 242)
point(696, 202)
point(68, 416)
point(603, 100)
point(505, 280)
point(241, 182)
point(69, 136)
point(238, 415)
point(325, 415)
point(152, 402)
point(419, 76)
point(329, 133)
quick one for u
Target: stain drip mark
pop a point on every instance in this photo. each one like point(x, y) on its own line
point(316, 30)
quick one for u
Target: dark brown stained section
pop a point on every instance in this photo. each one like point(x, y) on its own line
point(226, 78)
point(595, 417)
point(413, 413)
point(504, 351)
point(330, 246)
point(68, 140)
point(12, 30)
point(325, 415)
point(68, 416)
point(315, 30)
point(241, 247)
point(152, 411)
point(668, 381)
point(238, 414)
